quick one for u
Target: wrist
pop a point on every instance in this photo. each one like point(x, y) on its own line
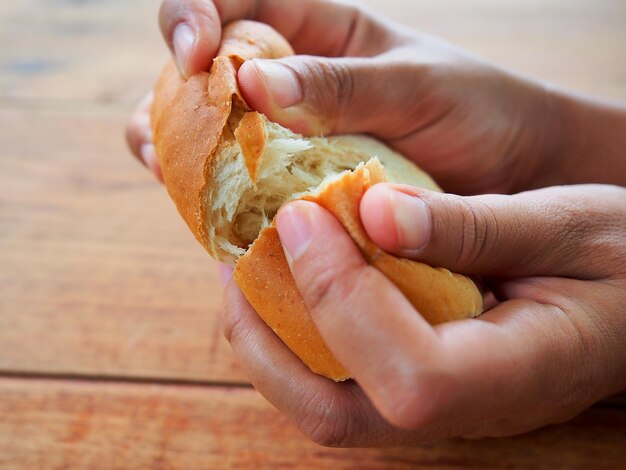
point(540, 152)
point(587, 142)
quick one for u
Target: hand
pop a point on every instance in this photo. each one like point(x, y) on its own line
point(139, 136)
point(450, 112)
point(552, 346)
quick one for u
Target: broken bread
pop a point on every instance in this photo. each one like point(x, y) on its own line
point(229, 169)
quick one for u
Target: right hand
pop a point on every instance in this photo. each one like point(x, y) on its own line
point(451, 113)
point(550, 347)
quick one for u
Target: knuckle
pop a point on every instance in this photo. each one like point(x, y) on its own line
point(570, 232)
point(576, 382)
point(230, 325)
point(234, 328)
point(404, 411)
point(329, 286)
point(343, 80)
point(324, 421)
point(413, 400)
point(319, 287)
point(329, 85)
point(589, 230)
point(479, 233)
point(572, 219)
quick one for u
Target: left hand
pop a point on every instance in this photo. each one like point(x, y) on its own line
point(139, 137)
point(552, 346)
point(357, 72)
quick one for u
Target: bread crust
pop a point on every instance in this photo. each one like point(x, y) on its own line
point(265, 279)
point(251, 137)
point(192, 118)
point(436, 293)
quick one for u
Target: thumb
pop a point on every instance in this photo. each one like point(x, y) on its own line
point(192, 31)
point(320, 95)
point(553, 231)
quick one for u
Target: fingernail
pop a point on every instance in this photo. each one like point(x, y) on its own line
point(294, 229)
point(184, 39)
point(412, 220)
point(149, 156)
point(225, 272)
point(281, 82)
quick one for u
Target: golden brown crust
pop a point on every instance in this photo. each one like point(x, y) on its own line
point(252, 40)
point(251, 137)
point(265, 279)
point(191, 117)
point(183, 122)
point(165, 89)
point(436, 293)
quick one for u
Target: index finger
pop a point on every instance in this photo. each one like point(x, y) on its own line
point(192, 28)
point(366, 321)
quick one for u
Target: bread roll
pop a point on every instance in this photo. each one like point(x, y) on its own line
point(229, 169)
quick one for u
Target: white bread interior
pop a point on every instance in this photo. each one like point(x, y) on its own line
point(290, 166)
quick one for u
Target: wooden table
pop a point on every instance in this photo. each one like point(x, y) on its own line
point(110, 351)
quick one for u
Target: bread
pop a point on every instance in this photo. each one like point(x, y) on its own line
point(229, 169)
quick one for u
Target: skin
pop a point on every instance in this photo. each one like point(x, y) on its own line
point(550, 344)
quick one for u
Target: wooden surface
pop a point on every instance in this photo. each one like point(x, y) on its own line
point(111, 354)
point(63, 424)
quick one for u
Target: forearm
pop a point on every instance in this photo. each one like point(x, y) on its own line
point(590, 146)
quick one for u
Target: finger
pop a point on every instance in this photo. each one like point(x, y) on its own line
point(320, 95)
point(526, 363)
point(139, 136)
point(192, 28)
point(591, 309)
point(365, 320)
point(138, 131)
point(225, 272)
point(510, 370)
point(563, 231)
point(332, 414)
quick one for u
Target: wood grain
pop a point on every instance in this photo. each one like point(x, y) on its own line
point(78, 51)
point(101, 284)
point(110, 51)
point(99, 274)
point(91, 425)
